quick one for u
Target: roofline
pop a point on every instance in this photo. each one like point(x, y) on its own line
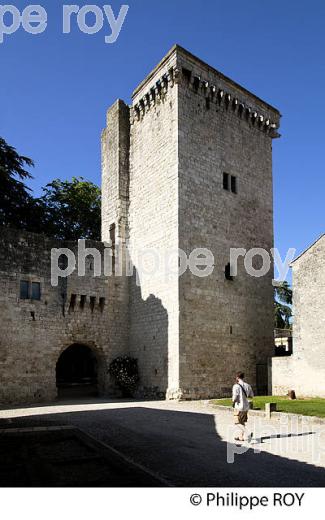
point(154, 70)
point(307, 249)
point(178, 48)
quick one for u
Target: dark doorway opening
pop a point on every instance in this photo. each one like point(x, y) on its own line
point(261, 379)
point(77, 372)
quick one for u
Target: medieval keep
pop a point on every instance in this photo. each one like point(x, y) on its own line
point(188, 165)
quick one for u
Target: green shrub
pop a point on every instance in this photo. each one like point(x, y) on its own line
point(125, 371)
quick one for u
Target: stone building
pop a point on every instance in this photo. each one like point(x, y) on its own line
point(40, 323)
point(188, 165)
point(304, 371)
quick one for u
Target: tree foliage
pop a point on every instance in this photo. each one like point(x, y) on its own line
point(282, 306)
point(67, 210)
point(72, 209)
point(15, 198)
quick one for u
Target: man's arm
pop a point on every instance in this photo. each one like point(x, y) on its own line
point(251, 393)
point(235, 394)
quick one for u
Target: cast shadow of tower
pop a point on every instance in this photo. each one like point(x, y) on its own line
point(148, 340)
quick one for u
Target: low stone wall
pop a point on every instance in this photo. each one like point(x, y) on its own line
point(290, 373)
point(279, 416)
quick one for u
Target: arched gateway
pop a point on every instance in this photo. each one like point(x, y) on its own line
point(77, 372)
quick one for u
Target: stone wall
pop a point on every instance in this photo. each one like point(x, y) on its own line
point(163, 161)
point(153, 224)
point(304, 371)
point(115, 171)
point(35, 333)
point(188, 125)
point(225, 325)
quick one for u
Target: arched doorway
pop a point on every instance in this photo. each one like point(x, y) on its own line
point(77, 372)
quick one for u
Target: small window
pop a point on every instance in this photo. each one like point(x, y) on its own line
point(36, 291)
point(112, 236)
point(227, 273)
point(101, 304)
point(73, 300)
point(226, 181)
point(63, 261)
point(233, 184)
point(83, 299)
point(24, 290)
point(92, 303)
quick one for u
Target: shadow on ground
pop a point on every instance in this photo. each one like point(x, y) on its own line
point(182, 448)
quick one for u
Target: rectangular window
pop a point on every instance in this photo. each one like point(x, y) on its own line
point(24, 290)
point(36, 291)
point(101, 304)
point(92, 303)
point(113, 241)
point(226, 181)
point(233, 184)
point(228, 275)
point(83, 299)
point(73, 300)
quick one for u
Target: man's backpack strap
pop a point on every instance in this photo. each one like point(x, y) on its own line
point(243, 389)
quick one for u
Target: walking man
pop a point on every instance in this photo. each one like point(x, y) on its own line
point(240, 393)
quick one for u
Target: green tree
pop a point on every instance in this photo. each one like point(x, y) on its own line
point(72, 209)
point(282, 306)
point(68, 210)
point(16, 201)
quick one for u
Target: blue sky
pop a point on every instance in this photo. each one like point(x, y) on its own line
point(55, 88)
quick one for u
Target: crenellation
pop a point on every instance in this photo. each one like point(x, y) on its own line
point(163, 160)
point(220, 97)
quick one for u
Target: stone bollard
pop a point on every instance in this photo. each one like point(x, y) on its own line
point(269, 408)
point(292, 394)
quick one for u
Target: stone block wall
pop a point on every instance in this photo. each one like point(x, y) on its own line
point(163, 161)
point(153, 225)
point(115, 171)
point(225, 325)
point(188, 125)
point(304, 371)
point(35, 333)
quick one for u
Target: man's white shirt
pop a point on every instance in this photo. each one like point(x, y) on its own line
point(239, 397)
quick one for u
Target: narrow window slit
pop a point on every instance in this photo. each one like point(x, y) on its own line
point(92, 303)
point(73, 299)
point(101, 304)
point(225, 181)
point(228, 272)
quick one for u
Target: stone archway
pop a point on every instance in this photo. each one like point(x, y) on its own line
point(77, 372)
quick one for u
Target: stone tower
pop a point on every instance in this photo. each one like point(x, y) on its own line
point(189, 165)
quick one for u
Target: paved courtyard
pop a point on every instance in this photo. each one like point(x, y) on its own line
point(58, 456)
point(182, 444)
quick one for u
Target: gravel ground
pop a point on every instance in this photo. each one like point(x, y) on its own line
point(191, 443)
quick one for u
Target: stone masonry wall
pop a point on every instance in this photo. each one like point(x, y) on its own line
point(153, 223)
point(115, 170)
point(225, 325)
point(304, 371)
point(189, 124)
point(35, 333)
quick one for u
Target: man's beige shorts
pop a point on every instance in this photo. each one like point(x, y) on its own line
point(240, 417)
